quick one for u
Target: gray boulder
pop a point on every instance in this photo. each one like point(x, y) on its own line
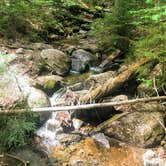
point(98, 79)
point(10, 94)
point(55, 61)
point(81, 60)
point(139, 128)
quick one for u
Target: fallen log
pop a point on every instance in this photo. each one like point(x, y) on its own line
point(112, 84)
point(83, 107)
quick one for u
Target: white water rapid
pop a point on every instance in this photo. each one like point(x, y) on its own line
point(48, 132)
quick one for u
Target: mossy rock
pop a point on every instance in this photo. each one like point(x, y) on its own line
point(49, 84)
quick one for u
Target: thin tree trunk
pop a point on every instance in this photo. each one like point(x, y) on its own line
point(84, 107)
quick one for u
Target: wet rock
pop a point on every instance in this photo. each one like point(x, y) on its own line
point(49, 83)
point(55, 61)
point(96, 70)
point(81, 60)
point(98, 79)
point(140, 128)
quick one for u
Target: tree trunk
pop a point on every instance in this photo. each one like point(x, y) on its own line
point(85, 106)
point(112, 84)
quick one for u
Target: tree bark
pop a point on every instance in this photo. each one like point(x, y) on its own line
point(112, 84)
point(85, 106)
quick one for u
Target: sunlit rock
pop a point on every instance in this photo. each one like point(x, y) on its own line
point(38, 98)
point(150, 158)
point(55, 61)
point(139, 128)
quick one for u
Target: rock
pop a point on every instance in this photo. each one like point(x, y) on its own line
point(150, 158)
point(76, 87)
point(96, 70)
point(89, 44)
point(68, 139)
point(98, 79)
point(77, 123)
point(49, 83)
point(10, 94)
point(55, 61)
point(38, 98)
point(123, 108)
point(100, 137)
point(81, 60)
point(139, 128)
point(39, 46)
point(20, 51)
point(76, 161)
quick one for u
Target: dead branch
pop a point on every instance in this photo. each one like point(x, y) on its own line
point(112, 84)
point(85, 106)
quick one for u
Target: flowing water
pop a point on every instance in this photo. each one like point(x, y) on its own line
point(48, 132)
point(95, 150)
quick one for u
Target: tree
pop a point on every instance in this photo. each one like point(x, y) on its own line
point(114, 30)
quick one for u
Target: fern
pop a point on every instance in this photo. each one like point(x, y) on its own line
point(15, 130)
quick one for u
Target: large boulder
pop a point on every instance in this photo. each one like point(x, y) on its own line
point(81, 60)
point(55, 61)
point(38, 98)
point(98, 79)
point(139, 128)
point(10, 94)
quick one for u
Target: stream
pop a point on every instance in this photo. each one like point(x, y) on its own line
point(64, 147)
point(65, 140)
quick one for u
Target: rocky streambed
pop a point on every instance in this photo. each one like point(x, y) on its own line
point(40, 75)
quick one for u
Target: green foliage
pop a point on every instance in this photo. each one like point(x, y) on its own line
point(15, 130)
point(114, 30)
point(148, 82)
point(149, 15)
point(25, 17)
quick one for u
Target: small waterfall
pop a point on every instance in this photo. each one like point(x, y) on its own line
point(48, 132)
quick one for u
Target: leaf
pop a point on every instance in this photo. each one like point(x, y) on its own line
point(156, 17)
point(149, 2)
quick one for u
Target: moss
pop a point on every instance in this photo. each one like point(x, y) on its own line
point(50, 84)
point(72, 79)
